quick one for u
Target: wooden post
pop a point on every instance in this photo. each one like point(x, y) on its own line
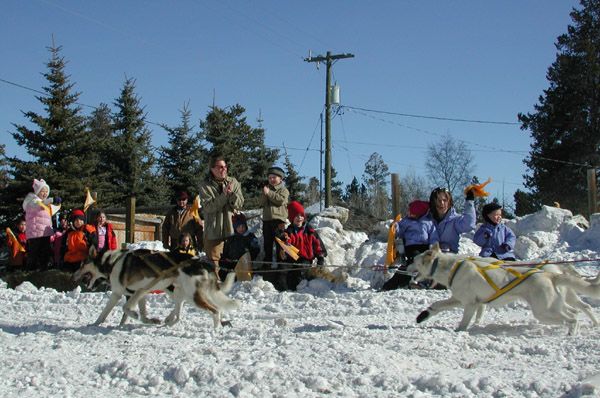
point(592, 192)
point(396, 195)
point(130, 220)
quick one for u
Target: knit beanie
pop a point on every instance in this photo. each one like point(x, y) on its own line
point(418, 208)
point(239, 219)
point(294, 209)
point(487, 209)
point(38, 185)
point(77, 213)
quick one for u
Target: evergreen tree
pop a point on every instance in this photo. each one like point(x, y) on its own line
point(566, 123)
point(337, 190)
point(6, 217)
point(134, 161)
point(293, 181)
point(313, 190)
point(525, 203)
point(101, 131)
point(184, 161)
point(375, 178)
point(227, 133)
point(59, 146)
point(352, 195)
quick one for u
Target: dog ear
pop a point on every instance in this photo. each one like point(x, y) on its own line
point(93, 253)
point(435, 247)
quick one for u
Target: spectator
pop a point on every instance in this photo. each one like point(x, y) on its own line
point(38, 216)
point(17, 245)
point(57, 239)
point(448, 223)
point(179, 220)
point(274, 200)
point(77, 241)
point(186, 244)
point(220, 196)
point(105, 234)
point(496, 239)
point(240, 243)
point(309, 248)
point(417, 233)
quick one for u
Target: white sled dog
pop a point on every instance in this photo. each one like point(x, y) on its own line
point(136, 273)
point(476, 281)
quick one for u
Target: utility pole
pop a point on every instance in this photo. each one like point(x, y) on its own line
point(328, 60)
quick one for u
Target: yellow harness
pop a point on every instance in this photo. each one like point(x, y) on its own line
point(484, 269)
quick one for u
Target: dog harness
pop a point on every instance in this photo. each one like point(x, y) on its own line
point(484, 272)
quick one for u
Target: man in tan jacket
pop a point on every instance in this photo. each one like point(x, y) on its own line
point(220, 197)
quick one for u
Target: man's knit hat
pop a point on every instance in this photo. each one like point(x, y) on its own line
point(294, 209)
point(38, 185)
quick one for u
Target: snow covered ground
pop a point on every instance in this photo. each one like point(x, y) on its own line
point(324, 340)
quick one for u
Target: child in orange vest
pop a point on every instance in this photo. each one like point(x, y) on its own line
point(78, 240)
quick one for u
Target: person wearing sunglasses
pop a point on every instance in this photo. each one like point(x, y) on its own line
point(449, 223)
point(220, 197)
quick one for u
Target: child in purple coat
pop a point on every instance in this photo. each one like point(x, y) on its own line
point(496, 239)
point(417, 233)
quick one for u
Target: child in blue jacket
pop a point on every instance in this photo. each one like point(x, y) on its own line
point(496, 239)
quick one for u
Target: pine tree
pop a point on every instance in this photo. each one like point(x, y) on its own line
point(59, 145)
point(227, 133)
point(101, 131)
point(134, 161)
point(337, 190)
point(566, 123)
point(293, 181)
point(6, 216)
point(184, 162)
point(312, 191)
point(375, 178)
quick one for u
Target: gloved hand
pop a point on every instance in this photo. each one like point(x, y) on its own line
point(320, 261)
point(57, 200)
point(470, 195)
point(505, 247)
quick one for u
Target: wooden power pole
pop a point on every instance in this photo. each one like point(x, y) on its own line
point(328, 60)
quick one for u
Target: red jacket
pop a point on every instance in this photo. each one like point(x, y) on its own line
point(306, 240)
point(110, 240)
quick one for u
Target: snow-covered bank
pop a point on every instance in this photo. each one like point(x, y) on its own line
point(345, 340)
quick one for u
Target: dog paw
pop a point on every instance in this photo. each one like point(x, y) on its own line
point(423, 316)
point(171, 320)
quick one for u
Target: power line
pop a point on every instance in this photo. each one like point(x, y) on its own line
point(431, 117)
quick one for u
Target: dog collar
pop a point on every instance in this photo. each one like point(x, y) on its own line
point(434, 266)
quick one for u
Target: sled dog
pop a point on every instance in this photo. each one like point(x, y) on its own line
point(476, 281)
point(136, 273)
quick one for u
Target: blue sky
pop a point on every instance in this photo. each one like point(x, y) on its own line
point(475, 60)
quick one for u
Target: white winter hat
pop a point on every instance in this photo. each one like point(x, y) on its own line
point(38, 185)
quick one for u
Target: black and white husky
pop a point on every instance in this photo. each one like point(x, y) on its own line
point(136, 273)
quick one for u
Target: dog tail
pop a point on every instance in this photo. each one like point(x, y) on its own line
point(218, 296)
point(589, 288)
point(228, 284)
